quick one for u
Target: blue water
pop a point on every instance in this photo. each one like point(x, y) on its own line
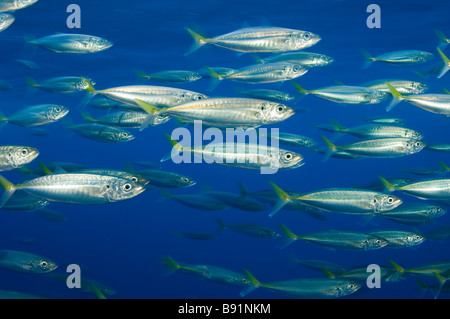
point(121, 244)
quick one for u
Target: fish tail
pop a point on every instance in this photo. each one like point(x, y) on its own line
point(3, 119)
point(397, 267)
point(444, 167)
point(97, 291)
point(257, 59)
point(45, 169)
point(91, 92)
point(369, 59)
point(243, 189)
point(31, 82)
point(446, 91)
point(444, 40)
point(396, 97)
point(283, 199)
point(175, 146)
point(171, 264)
point(215, 78)
point(199, 41)
point(9, 188)
point(142, 75)
point(442, 280)
point(222, 225)
point(290, 236)
point(387, 184)
point(152, 111)
point(87, 117)
point(446, 66)
point(299, 88)
point(255, 283)
point(328, 273)
point(331, 148)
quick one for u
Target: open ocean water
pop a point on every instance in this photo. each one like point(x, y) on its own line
point(121, 245)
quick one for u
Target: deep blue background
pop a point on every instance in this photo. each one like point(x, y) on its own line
point(121, 244)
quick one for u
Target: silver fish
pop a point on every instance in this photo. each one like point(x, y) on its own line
point(380, 148)
point(433, 189)
point(403, 57)
point(21, 261)
point(36, 115)
point(76, 188)
point(267, 94)
point(258, 39)
point(16, 156)
point(124, 119)
point(306, 59)
point(63, 84)
point(399, 239)
point(414, 214)
point(102, 133)
point(224, 112)
point(402, 86)
point(14, 5)
point(346, 94)
point(158, 96)
point(72, 43)
point(165, 179)
point(6, 20)
point(171, 76)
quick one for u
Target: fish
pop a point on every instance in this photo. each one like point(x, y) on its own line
point(403, 57)
point(374, 131)
point(443, 170)
point(12, 157)
point(292, 139)
point(400, 239)
point(349, 240)
point(443, 40)
point(102, 133)
point(213, 273)
point(402, 86)
point(123, 119)
point(51, 215)
point(309, 288)
point(222, 71)
point(346, 94)
point(165, 179)
point(243, 155)
point(446, 61)
point(6, 20)
point(385, 120)
point(438, 147)
point(429, 189)
point(262, 73)
point(62, 84)
point(36, 115)
point(104, 103)
point(75, 188)
point(414, 214)
point(239, 201)
point(21, 261)
point(87, 285)
point(71, 43)
point(22, 201)
point(435, 103)
point(252, 230)
point(360, 274)
point(14, 5)
point(396, 181)
point(171, 76)
point(258, 39)
point(158, 96)
point(388, 147)
point(224, 112)
point(197, 201)
point(31, 65)
point(341, 200)
point(269, 95)
point(307, 59)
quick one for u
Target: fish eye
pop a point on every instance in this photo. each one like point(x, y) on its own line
point(417, 144)
point(57, 109)
point(107, 186)
point(288, 156)
point(184, 179)
point(375, 200)
point(134, 179)
point(199, 97)
point(390, 200)
point(307, 36)
point(127, 187)
point(280, 108)
point(124, 134)
point(43, 264)
point(296, 68)
point(24, 152)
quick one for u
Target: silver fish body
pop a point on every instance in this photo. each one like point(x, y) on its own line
point(102, 133)
point(306, 59)
point(72, 43)
point(37, 115)
point(14, 5)
point(6, 20)
point(384, 147)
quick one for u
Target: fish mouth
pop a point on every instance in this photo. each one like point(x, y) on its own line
point(298, 164)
